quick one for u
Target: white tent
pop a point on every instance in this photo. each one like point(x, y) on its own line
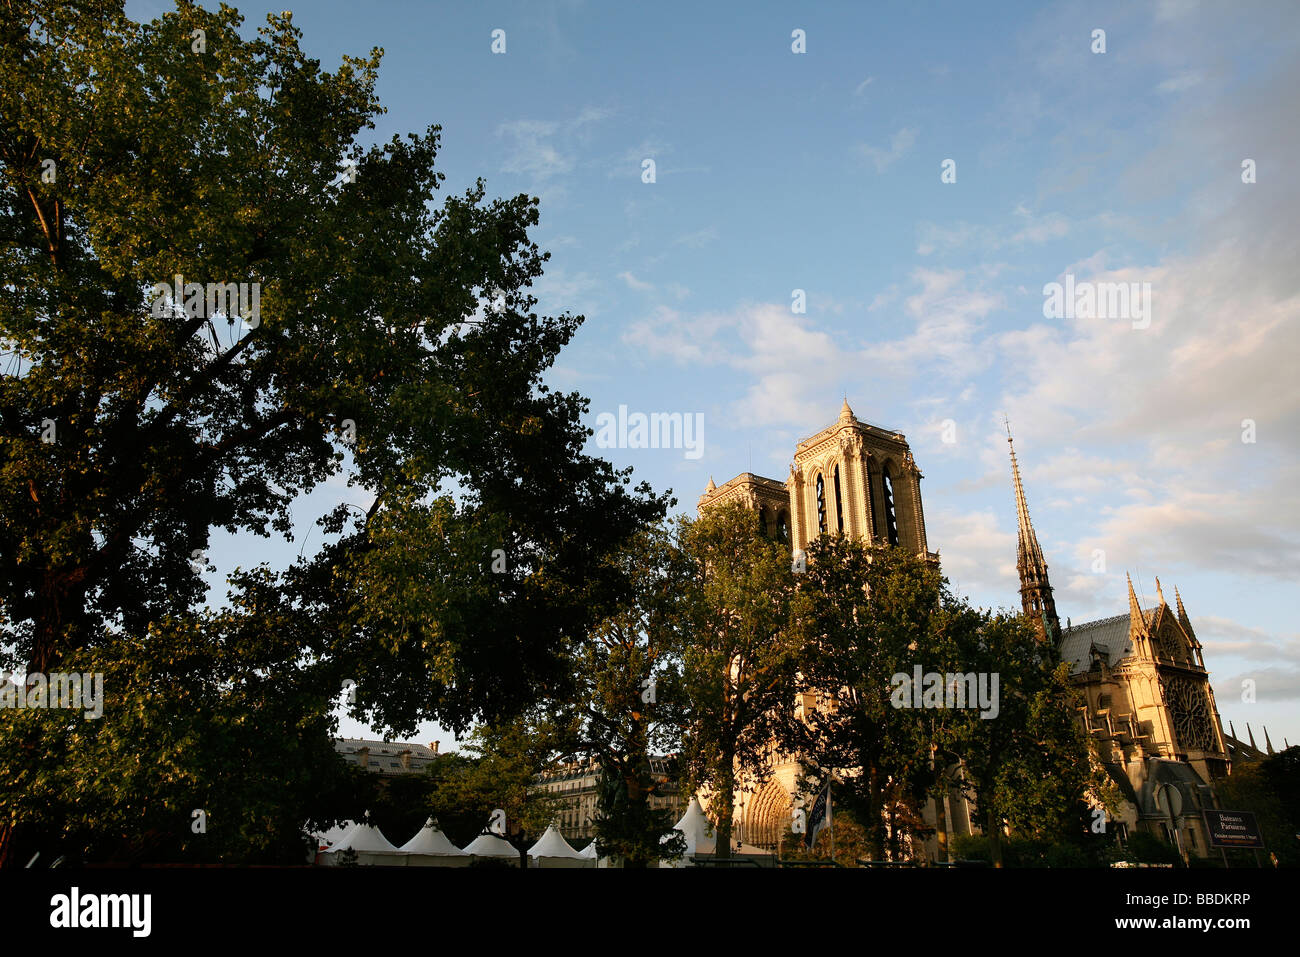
point(489, 845)
point(552, 850)
point(431, 848)
point(589, 852)
point(370, 845)
point(698, 831)
point(324, 840)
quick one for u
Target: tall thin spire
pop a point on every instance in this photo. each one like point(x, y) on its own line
point(1035, 588)
point(1182, 614)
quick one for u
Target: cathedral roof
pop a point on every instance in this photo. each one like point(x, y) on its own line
point(1108, 634)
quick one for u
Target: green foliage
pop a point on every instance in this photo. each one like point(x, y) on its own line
point(1029, 767)
point(864, 613)
point(629, 690)
point(205, 714)
point(224, 166)
point(739, 658)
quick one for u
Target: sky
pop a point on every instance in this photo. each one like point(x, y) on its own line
point(1153, 442)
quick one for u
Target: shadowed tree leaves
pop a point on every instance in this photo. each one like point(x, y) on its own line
point(224, 167)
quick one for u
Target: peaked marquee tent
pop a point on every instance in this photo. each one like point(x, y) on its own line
point(552, 850)
point(431, 848)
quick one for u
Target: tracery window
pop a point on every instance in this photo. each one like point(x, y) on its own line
point(891, 524)
point(821, 504)
point(839, 501)
point(1189, 710)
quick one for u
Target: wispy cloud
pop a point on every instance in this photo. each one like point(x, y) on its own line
point(883, 158)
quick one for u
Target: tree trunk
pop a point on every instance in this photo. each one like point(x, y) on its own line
point(994, 828)
point(726, 798)
point(875, 817)
point(941, 820)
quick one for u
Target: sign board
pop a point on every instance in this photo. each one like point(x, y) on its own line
point(1233, 829)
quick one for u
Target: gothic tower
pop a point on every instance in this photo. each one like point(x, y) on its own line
point(1035, 588)
point(851, 478)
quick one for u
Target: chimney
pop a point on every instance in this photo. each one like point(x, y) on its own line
point(406, 759)
point(363, 756)
point(433, 746)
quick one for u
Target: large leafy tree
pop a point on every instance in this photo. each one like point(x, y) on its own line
point(1028, 768)
point(865, 613)
point(395, 342)
point(631, 697)
point(739, 657)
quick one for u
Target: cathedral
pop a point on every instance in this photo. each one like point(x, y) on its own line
point(1149, 709)
point(851, 478)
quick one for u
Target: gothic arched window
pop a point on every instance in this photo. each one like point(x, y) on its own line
point(821, 504)
point(783, 525)
point(891, 524)
point(762, 521)
point(839, 501)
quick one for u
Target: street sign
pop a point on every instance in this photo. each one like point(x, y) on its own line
point(1233, 829)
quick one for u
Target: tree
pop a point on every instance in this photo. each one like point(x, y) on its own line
point(1028, 767)
point(384, 337)
point(864, 613)
point(212, 746)
point(631, 695)
point(739, 657)
point(501, 773)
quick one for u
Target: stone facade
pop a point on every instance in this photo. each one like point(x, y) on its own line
point(1148, 705)
point(850, 478)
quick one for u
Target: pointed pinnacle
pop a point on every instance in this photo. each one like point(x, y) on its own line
point(1134, 609)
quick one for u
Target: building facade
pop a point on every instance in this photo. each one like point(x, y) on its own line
point(577, 785)
point(1148, 707)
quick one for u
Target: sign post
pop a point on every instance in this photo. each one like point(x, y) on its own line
point(1233, 829)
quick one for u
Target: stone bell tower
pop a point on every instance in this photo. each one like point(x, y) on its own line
point(850, 478)
point(856, 479)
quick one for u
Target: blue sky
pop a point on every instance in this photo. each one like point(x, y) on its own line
point(820, 171)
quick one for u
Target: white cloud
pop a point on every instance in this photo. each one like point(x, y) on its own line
point(545, 149)
point(1181, 82)
point(899, 144)
point(634, 283)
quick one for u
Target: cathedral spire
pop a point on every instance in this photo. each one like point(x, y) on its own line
point(1035, 588)
point(1134, 609)
point(846, 414)
point(1182, 612)
point(1267, 743)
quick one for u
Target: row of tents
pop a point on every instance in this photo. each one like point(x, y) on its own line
point(432, 848)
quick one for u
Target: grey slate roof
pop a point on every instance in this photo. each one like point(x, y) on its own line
point(1110, 635)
